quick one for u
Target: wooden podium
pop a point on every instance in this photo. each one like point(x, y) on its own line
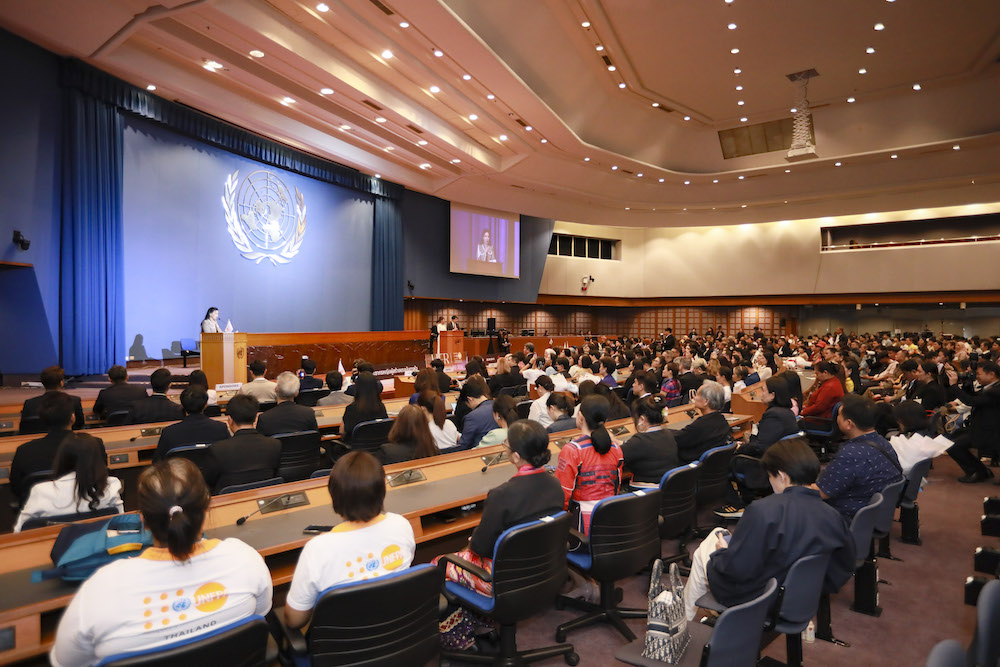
point(450, 344)
point(223, 357)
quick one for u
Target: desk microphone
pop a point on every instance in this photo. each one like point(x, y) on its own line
point(496, 459)
point(243, 519)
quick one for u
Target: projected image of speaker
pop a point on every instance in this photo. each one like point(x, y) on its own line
point(491, 325)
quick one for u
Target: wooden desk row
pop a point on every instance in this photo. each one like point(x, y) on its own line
point(31, 611)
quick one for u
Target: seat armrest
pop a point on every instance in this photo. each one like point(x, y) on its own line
point(577, 540)
point(290, 642)
point(465, 565)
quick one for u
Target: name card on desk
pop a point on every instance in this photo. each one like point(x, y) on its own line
point(228, 386)
point(6, 426)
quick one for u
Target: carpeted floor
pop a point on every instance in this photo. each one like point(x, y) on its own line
point(923, 604)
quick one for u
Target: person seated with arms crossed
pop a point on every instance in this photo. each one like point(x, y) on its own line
point(248, 456)
point(337, 396)
point(259, 386)
point(194, 429)
point(590, 465)
point(652, 451)
point(52, 380)
point(56, 413)
point(163, 594)
point(825, 394)
point(287, 416)
point(865, 463)
point(119, 396)
point(307, 369)
point(530, 494)
point(774, 532)
point(709, 429)
point(442, 429)
point(560, 409)
point(479, 419)
point(982, 428)
point(410, 438)
point(80, 483)
point(504, 414)
point(157, 407)
point(369, 543)
point(367, 405)
point(539, 410)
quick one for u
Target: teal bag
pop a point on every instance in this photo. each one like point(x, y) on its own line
point(81, 548)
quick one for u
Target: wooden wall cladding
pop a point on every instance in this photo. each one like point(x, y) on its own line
point(388, 351)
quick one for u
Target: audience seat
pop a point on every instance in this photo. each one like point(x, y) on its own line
point(30, 425)
point(523, 408)
point(189, 348)
point(370, 435)
point(310, 397)
point(822, 432)
point(516, 390)
point(677, 508)
point(713, 480)
point(300, 454)
point(985, 646)
point(909, 512)
point(624, 538)
point(30, 480)
point(250, 486)
point(116, 418)
point(947, 653)
point(43, 521)
point(529, 568)
point(199, 454)
point(883, 524)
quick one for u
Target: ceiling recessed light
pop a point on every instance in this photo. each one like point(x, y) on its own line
point(322, 7)
point(390, 148)
point(473, 116)
point(737, 71)
point(599, 47)
point(656, 104)
point(662, 179)
point(422, 142)
point(379, 119)
point(743, 206)
point(862, 71)
point(715, 180)
point(586, 159)
point(212, 66)
point(732, 26)
point(837, 164)
point(455, 161)
point(150, 87)
point(956, 147)
point(684, 209)
point(585, 24)
point(621, 85)
point(326, 91)
point(870, 49)
point(739, 103)
point(743, 119)
point(434, 89)
point(425, 165)
point(734, 51)
point(893, 156)
point(491, 96)
point(257, 53)
point(528, 128)
point(788, 171)
point(611, 68)
point(345, 128)
point(916, 86)
point(438, 52)
point(879, 26)
point(794, 110)
point(503, 137)
point(378, 175)
point(466, 77)
point(614, 168)
point(850, 100)
point(287, 100)
point(742, 177)
point(545, 141)
point(404, 24)
point(687, 117)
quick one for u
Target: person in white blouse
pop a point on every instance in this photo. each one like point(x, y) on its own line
point(81, 483)
point(211, 322)
point(539, 410)
point(443, 431)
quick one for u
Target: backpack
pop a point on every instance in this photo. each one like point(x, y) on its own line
point(80, 549)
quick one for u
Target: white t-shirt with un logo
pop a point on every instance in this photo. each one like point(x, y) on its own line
point(347, 554)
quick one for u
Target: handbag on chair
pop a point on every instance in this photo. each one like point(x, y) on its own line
point(667, 635)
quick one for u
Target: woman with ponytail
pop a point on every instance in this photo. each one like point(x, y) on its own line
point(590, 464)
point(182, 586)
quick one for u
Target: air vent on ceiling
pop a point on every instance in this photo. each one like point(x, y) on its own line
point(519, 187)
point(626, 171)
point(607, 61)
point(663, 108)
point(775, 135)
point(372, 105)
point(385, 10)
point(521, 122)
point(415, 129)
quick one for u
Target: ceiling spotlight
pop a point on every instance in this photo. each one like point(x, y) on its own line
point(611, 68)
point(150, 87)
point(850, 100)
point(956, 147)
point(326, 91)
point(455, 161)
point(322, 7)
point(491, 96)
point(656, 104)
point(379, 119)
point(473, 116)
point(404, 24)
point(862, 71)
point(614, 168)
point(390, 148)
point(287, 100)
point(734, 51)
point(662, 179)
point(212, 66)
point(345, 128)
point(731, 26)
point(837, 164)
point(434, 89)
point(503, 137)
point(794, 110)
point(739, 103)
point(687, 117)
point(585, 24)
point(545, 141)
point(387, 54)
point(425, 165)
point(743, 119)
point(257, 53)
point(916, 86)
point(639, 175)
point(466, 77)
point(422, 142)
point(599, 47)
point(870, 49)
point(743, 206)
point(621, 85)
point(378, 175)
point(528, 128)
point(729, 2)
point(788, 171)
point(586, 159)
point(438, 53)
point(742, 177)
point(893, 156)
point(879, 26)
point(737, 71)
point(739, 87)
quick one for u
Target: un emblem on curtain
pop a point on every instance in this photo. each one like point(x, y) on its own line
point(262, 218)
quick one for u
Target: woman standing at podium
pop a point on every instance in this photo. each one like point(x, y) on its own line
point(211, 322)
point(485, 251)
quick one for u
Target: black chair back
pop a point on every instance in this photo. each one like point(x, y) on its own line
point(43, 521)
point(250, 486)
point(299, 454)
point(736, 638)
point(29, 425)
point(116, 418)
point(677, 506)
point(523, 408)
point(917, 474)
point(529, 567)
point(310, 397)
point(516, 390)
point(370, 435)
point(803, 585)
point(264, 406)
point(199, 454)
point(713, 474)
point(33, 478)
point(624, 534)
point(243, 644)
point(390, 620)
point(323, 472)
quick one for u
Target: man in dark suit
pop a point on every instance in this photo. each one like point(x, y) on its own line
point(983, 429)
point(668, 339)
point(453, 325)
point(360, 366)
point(119, 396)
point(287, 416)
point(688, 379)
point(158, 407)
point(444, 380)
point(52, 379)
point(307, 382)
point(248, 456)
point(708, 430)
point(195, 428)
point(56, 413)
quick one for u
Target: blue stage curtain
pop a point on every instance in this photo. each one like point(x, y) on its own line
point(387, 266)
point(92, 302)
